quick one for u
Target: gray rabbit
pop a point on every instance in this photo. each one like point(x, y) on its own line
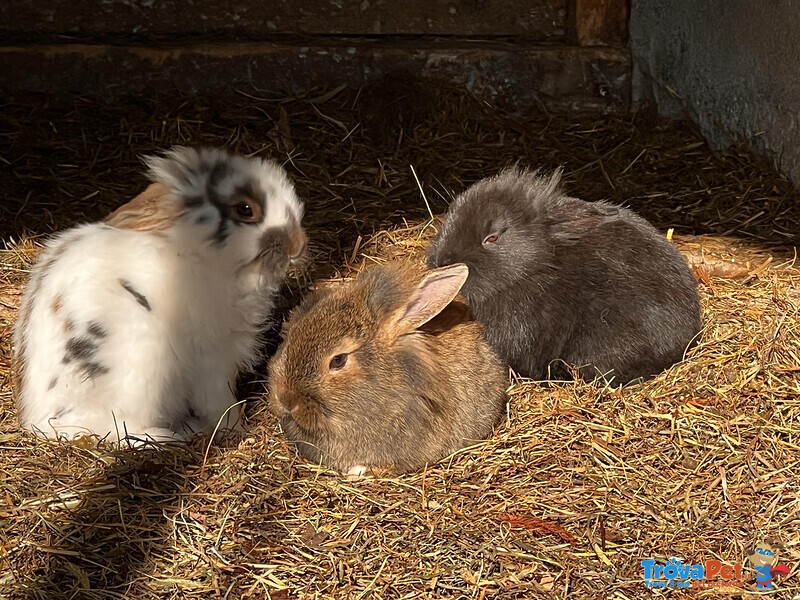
point(558, 280)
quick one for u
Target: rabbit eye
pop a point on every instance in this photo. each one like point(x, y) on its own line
point(244, 211)
point(491, 239)
point(337, 362)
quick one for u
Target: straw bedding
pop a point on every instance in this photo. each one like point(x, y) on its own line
point(578, 484)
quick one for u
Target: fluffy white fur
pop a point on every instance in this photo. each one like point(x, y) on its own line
point(131, 333)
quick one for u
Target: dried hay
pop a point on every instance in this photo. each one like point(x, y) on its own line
point(579, 483)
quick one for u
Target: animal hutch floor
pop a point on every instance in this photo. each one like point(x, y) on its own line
point(578, 484)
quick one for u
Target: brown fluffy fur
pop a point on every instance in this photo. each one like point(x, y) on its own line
point(155, 209)
point(420, 381)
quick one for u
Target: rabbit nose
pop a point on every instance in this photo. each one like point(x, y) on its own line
point(289, 400)
point(275, 245)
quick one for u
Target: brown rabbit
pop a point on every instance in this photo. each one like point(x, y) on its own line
point(386, 371)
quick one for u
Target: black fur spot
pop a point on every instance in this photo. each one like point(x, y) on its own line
point(93, 369)
point(220, 235)
point(193, 201)
point(219, 171)
point(201, 220)
point(96, 330)
point(140, 298)
point(80, 348)
point(53, 383)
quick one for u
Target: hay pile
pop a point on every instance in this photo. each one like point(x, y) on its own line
point(579, 483)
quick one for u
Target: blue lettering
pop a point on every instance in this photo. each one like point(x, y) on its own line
point(670, 570)
point(647, 565)
point(674, 574)
point(681, 569)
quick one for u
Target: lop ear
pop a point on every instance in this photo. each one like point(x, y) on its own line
point(582, 218)
point(156, 208)
point(431, 296)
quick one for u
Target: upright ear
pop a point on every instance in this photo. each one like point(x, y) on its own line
point(455, 313)
point(155, 208)
point(432, 295)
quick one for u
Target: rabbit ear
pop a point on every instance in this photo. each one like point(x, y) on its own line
point(436, 290)
point(455, 313)
point(155, 208)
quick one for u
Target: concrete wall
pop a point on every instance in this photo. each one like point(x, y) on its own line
point(732, 65)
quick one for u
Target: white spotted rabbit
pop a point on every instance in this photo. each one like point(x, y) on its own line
point(137, 326)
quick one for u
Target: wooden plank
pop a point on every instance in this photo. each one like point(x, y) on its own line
point(601, 22)
point(541, 20)
point(560, 78)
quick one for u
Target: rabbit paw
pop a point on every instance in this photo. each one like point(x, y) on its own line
point(357, 471)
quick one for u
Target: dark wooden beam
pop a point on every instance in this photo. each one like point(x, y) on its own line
point(559, 78)
point(540, 20)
